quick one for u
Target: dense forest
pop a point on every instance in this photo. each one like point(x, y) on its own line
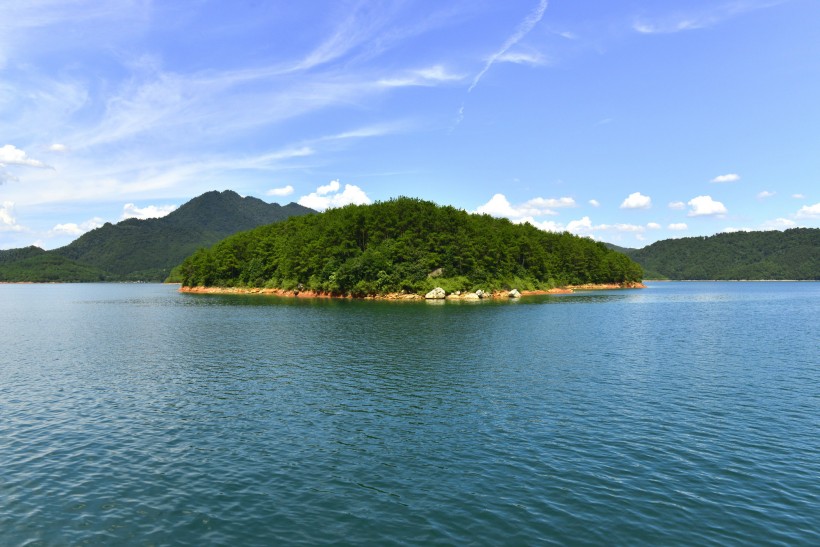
point(791, 254)
point(145, 250)
point(404, 244)
point(33, 264)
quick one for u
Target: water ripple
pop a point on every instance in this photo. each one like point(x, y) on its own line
point(685, 413)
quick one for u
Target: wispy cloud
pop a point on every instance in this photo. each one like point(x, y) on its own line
point(523, 58)
point(523, 29)
point(698, 19)
point(765, 194)
point(423, 77)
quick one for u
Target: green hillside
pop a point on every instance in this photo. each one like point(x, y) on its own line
point(146, 250)
point(38, 266)
point(400, 245)
point(791, 254)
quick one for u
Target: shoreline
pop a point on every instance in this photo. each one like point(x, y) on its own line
point(497, 295)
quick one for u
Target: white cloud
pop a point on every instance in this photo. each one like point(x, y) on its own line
point(129, 210)
point(622, 227)
point(653, 226)
point(637, 201)
point(284, 191)
point(594, 203)
point(74, 229)
point(729, 177)
point(809, 211)
point(678, 226)
point(798, 196)
point(499, 206)
point(778, 224)
point(765, 194)
point(546, 225)
point(8, 223)
point(328, 188)
point(11, 155)
point(679, 205)
point(328, 196)
point(581, 226)
point(57, 147)
point(704, 206)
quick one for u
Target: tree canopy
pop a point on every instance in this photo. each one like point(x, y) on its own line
point(403, 244)
point(790, 254)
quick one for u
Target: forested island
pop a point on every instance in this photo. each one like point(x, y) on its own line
point(790, 254)
point(403, 245)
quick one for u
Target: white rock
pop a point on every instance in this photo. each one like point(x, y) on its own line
point(436, 294)
point(515, 294)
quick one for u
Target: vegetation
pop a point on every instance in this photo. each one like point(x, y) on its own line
point(791, 254)
point(145, 250)
point(403, 244)
point(33, 264)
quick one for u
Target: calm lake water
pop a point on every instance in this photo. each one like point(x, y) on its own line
point(684, 413)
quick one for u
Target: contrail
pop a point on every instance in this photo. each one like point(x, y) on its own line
point(523, 29)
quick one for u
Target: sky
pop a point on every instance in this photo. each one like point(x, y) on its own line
point(628, 122)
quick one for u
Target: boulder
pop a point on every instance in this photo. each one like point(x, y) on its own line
point(479, 293)
point(515, 294)
point(470, 296)
point(436, 294)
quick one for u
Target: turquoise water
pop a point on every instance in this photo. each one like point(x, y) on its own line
point(684, 413)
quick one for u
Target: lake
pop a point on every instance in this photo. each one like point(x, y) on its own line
point(683, 413)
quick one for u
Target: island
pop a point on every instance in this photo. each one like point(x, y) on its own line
point(403, 248)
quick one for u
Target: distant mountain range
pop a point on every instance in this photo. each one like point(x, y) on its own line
point(145, 250)
point(791, 254)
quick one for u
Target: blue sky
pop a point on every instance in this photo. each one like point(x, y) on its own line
point(627, 121)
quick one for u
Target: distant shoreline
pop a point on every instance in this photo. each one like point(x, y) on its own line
point(498, 295)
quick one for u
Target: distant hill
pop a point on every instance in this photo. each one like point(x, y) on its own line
point(404, 244)
point(791, 254)
point(145, 250)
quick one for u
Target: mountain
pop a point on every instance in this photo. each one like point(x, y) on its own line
point(147, 250)
point(403, 244)
point(790, 254)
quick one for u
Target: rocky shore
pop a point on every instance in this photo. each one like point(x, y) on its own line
point(437, 294)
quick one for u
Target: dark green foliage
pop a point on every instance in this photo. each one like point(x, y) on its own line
point(791, 254)
point(392, 246)
point(38, 266)
point(11, 255)
point(146, 250)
